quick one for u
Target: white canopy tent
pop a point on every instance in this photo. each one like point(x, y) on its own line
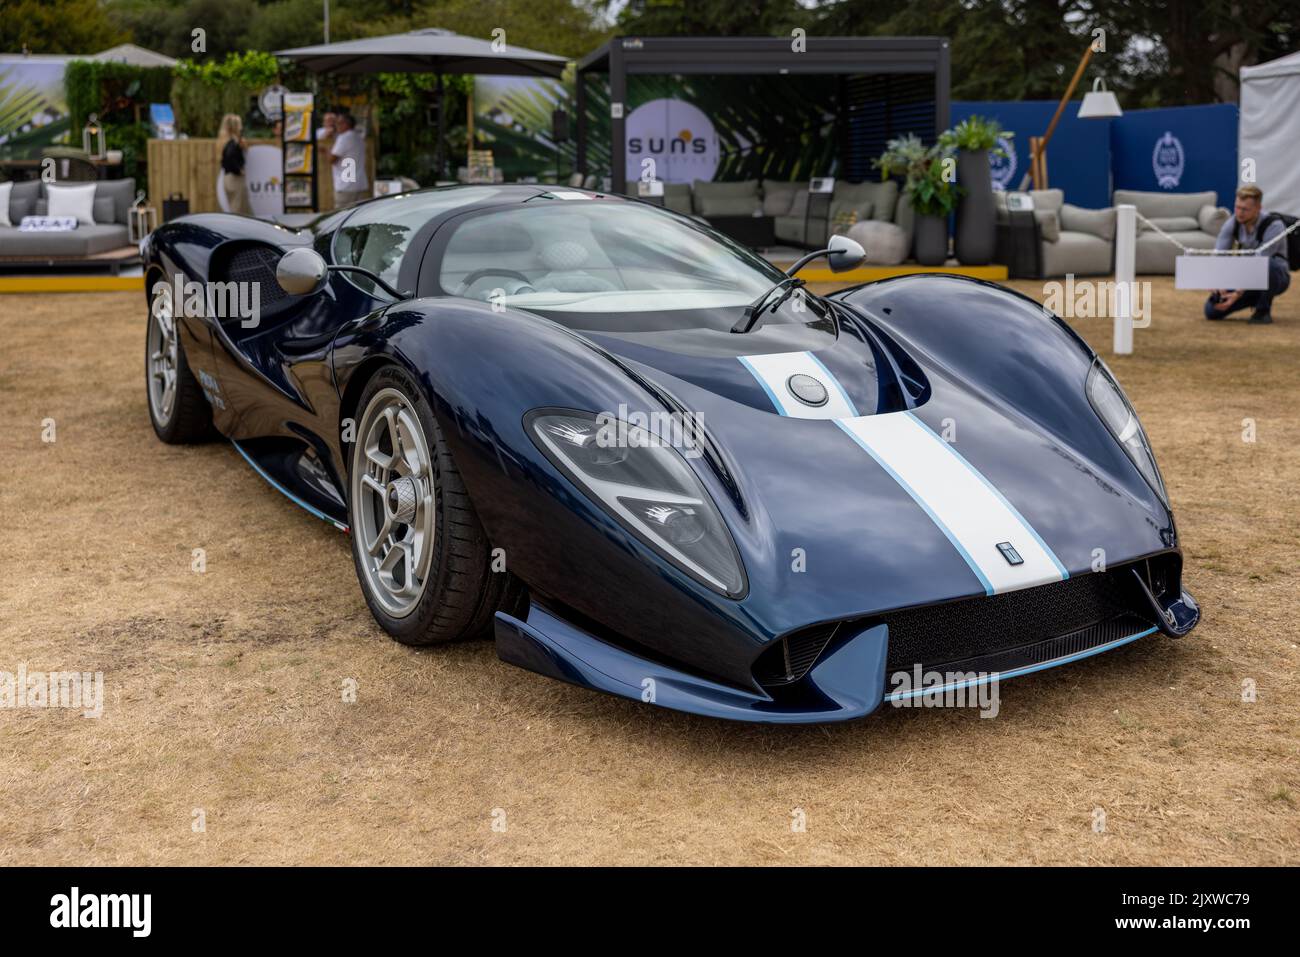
point(134, 55)
point(1270, 130)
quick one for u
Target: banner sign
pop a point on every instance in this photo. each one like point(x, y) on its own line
point(33, 110)
point(672, 141)
point(1182, 149)
point(1221, 272)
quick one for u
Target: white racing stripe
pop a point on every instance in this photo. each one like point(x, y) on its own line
point(774, 370)
point(974, 515)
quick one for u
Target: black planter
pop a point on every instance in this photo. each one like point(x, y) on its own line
point(976, 218)
point(930, 238)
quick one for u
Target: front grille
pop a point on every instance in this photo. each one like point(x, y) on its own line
point(936, 635)
point(1040, 652)
point(256, 263)
point(992, 632)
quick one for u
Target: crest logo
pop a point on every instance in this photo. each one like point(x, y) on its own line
point(1003, 168)
point(1167, 161)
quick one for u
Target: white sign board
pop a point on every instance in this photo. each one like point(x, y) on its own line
point(1221, 272)
point(262, 175)
point(672, 141)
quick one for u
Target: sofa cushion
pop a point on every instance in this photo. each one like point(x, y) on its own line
point(799, 207)
point(1049, 224)
point(1170, 224)
point(1156, 255)
point(1047, 199)
point(1210, 219)
point(1079, 253)
point(65, 199)
point(1163, 205)
point(77, 243)
point(790, 229)
point(677, 197)
point(1097, 222)
point(5, 190)
point(857, 208)
point(885, 243)
point(22, 200)
point(122, 193)
point(883, 198)
point(778, 196)
point(103, 208)
point(727, 199)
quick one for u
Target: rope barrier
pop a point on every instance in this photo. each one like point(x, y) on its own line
point(1192, 251)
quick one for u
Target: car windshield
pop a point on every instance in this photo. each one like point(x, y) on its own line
point(604, 264)
point(378, 233)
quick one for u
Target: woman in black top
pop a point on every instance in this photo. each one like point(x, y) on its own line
point(231, 143)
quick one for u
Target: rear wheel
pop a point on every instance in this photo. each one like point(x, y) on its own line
point(422, 558)
point(177, 408)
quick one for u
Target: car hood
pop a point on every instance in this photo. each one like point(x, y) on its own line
point(922, 466)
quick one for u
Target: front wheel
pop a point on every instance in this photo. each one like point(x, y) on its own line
point(421, 555)
point(177, 408)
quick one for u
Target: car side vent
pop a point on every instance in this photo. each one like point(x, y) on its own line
point(253, 262)
point(791, 657)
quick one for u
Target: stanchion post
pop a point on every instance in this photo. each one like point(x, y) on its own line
point(1125, 276)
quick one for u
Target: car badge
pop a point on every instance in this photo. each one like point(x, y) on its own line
point(1010, 554)
point(807, 389)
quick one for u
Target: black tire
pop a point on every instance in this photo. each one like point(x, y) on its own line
point(189, 417)
point(461, 592)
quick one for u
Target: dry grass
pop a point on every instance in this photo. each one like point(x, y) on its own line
point(223, 688)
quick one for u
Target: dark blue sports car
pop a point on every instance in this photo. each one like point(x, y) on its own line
point(649, 462)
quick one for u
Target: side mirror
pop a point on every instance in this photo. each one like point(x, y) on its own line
point(301, 272)
point(845, 254)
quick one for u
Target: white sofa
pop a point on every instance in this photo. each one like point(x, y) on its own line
point(1194, 219)
point(1072, 239)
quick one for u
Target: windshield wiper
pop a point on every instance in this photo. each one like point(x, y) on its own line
point(753, 312)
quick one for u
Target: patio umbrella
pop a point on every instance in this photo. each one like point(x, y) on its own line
point(426, 51)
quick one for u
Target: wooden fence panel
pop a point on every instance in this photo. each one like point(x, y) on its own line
point(190, 167)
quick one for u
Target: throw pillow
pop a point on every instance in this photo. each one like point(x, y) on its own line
point(1097, 222)
point(77, 202)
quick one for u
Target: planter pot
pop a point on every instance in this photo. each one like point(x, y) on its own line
point(976, 218)
point(931, 240)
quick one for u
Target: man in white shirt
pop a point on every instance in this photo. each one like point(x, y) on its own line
point(348, 159)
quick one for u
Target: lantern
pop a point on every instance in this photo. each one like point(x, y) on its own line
point(92, 138)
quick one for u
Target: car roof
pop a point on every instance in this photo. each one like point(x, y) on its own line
point(503, 194)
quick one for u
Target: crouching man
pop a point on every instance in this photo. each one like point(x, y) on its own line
point(1249, 228)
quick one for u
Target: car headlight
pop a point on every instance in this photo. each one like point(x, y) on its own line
point(1113, 408)
point(647, 485)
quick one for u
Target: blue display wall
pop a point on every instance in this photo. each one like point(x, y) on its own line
point(1179, 149)
point(1182, 149)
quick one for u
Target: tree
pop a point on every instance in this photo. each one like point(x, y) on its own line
point(711, 17)
point(56, 26)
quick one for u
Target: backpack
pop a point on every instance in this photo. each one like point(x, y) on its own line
point(1290, 247)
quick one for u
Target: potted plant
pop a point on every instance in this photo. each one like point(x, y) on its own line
point(975, 139)
point(928, 189)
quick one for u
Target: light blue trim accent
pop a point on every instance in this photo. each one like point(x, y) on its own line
point(1002, 498)
point(285, 492)
point(988, 588)
point(766, 388)
point(1017, 672)
point(830, 375)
